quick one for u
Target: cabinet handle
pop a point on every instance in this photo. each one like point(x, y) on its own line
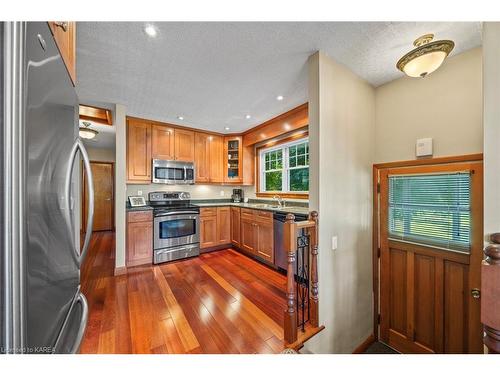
point(62, 24)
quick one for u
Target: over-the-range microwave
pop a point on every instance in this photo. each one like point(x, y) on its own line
point(173, 172)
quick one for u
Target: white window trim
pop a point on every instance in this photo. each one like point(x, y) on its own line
point(285, 169)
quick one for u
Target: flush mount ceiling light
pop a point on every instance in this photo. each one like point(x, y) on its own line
point(426, 57)
point(248, 116)
point(150, 30)
point(279, 97)
point(226, 128)
point(86, 132)
point(180, 118)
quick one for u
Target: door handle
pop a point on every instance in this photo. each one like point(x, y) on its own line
point(476, 293)
point(78, 146)
point(83, 323)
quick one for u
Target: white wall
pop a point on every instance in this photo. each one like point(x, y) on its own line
point(101, 154)
point(120, 183)
point(445, 106)
point(491, 79)
point(341, 134)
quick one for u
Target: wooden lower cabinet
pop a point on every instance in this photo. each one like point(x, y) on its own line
point(265, 241)
point(223, 225)
point(215, 226)
point(208, 231)
point(248, 235)
point(139, 238)
point(235, 226)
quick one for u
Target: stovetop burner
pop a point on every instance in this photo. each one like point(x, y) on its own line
point(162, 201)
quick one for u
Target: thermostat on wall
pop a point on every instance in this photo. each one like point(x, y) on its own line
point(424, 147)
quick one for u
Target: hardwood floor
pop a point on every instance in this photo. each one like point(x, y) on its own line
point(220, 302)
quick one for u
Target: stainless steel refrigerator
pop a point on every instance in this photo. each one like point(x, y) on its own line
point(42, 308)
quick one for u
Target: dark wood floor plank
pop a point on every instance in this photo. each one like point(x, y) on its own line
point(220, 302)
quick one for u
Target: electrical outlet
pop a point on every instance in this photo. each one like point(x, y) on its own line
point(139, 192)
point(222, 193)
point(334, 243)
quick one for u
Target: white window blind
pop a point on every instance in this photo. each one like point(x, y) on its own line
point(431, 209)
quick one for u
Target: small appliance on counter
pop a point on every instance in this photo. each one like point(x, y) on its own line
point(176, 232)
point(237, 196)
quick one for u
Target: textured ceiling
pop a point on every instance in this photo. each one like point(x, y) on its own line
point(214, 74)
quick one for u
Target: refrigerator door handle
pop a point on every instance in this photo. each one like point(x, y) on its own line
point(83, 323)
point(60, 346)
point(78, 146)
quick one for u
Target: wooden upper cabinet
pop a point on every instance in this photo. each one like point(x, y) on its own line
point(162, 142)
point(64, 33)
point(138, 151)
point(216, 159)
point(223, 225)
point(202, 157)
point(184, 145)
point(233, 171)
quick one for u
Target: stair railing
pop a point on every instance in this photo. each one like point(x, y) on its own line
point(490, 295)
point(301, 244)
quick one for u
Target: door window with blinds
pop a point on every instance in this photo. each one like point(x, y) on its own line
point(431, 209)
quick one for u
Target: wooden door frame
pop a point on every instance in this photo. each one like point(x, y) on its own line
point(83, 189)
point(375, 218)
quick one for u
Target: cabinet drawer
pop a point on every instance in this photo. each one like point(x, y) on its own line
point(247, 213)
point(208, 211)
point(264, 216)
point(139, 216)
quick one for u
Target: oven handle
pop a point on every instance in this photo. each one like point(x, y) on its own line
point(178, 213)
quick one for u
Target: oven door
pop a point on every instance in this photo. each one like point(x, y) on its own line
point(176, 229)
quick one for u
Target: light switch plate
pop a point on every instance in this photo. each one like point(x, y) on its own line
point(139, 192)
point(334, 243)
point(424, 147)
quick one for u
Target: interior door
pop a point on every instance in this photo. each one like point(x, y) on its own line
point(103, 176)
point(428, 298)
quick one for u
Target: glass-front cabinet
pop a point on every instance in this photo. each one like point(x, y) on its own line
point(233, 160)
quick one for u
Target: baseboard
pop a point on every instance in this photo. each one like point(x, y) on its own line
point(364, 345)
point(120, 271)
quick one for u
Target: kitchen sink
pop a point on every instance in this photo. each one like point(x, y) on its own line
point(264, 205)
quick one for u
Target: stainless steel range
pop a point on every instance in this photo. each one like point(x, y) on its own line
point(176, 226)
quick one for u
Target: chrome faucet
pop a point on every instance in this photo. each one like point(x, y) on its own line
point(281, 203)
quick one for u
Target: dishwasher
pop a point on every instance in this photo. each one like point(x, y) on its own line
point(280, 254)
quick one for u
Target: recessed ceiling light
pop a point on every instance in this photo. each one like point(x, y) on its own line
point(279, 97)
point(248, 116)
point(226, 128)
point(180, 118)
point(150, 30)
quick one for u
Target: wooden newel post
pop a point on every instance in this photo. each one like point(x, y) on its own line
point(313, 294)
point(290, 240)
point(490, 295)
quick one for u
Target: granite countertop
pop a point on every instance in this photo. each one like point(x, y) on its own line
point(141, 208)
point(258, 206)
point(290, 207)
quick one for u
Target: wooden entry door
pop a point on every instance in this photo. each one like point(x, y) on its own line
point(427, 304)
point(103, 177)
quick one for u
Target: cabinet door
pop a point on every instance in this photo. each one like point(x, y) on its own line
point(235, 225)
point(265, 241)
point(216, 159)
point(139, 243)
point(162, 142)
point(248, 235)
point(202, 157)
point(232, 160)
point(224, 225)
point(64, 33)
point(138, 151)
point(208, 231)
point(184, 145)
